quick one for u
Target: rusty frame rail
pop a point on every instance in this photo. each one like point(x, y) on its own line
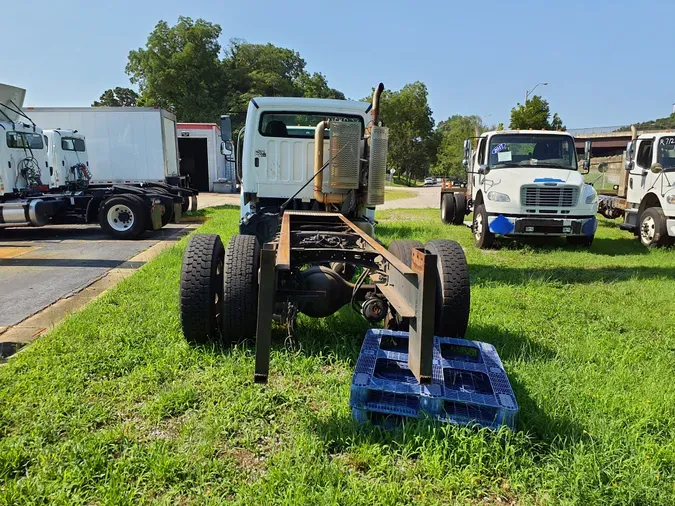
point(410, 291)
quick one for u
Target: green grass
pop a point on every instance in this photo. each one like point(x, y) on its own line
point(390, 194)
point(113, 407)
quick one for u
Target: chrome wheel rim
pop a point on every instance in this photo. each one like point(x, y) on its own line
point(648, 230)
point(121, 218)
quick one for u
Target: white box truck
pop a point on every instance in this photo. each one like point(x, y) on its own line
point(126, 145)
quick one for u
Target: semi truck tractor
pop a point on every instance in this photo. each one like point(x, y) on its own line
point(524, 183)
point(312, 172)
point(646, 195)
point(42, 182)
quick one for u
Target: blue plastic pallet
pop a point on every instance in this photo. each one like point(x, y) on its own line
point(469, 385)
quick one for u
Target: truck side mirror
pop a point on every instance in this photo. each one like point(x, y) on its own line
point(587, 156)
point(466, 162)
point(227, 149)
point(630, 152)
point(226, 128)
point(656, 168)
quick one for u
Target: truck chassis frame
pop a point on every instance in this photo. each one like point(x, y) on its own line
point(409, 291)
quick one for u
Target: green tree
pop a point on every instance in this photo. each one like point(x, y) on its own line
point(117, 97)
point(412, 140)
point(667, 123)
point(184, 67)
point(534, 114)
point(453, 132)
point(180, 67)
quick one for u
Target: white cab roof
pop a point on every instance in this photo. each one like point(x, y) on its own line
point(312, 104)
point(525, 132)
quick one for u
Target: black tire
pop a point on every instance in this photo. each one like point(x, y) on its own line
point(460, 208)
point(652, 229)
point(482, 237)
point(123, 216)
point(448, 214)
point(580, 240)
point(186, 203)
point(201, 289)
point(240, 296)
point(401, 249)
point(167, 215)
point(453, 289)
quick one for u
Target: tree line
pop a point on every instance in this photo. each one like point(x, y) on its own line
point(185, 69)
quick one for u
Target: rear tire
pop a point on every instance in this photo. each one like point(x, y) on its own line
point(460, 208)
point(123, 216)
point(448, 212)
point(201, 289)
point(482, 237)
point(240, 294)
point(167, 215)
point(401, 249)
point(453, 289)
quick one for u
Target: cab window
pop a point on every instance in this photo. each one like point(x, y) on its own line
point(644, 156)
point(24, 140)
point(72, 144)
point(481, 151)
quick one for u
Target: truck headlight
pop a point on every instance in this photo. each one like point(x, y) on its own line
point(498, 197)
point(592, 199)
point(670, 198)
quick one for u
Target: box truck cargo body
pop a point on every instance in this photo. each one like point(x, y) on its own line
point(126, 145)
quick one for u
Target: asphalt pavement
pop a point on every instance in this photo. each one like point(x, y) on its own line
point(39, 266)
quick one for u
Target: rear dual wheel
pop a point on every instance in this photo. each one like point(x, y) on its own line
point(219, 289)
point(123, 216)
point(453, 208)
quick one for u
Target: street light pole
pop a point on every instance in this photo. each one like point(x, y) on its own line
point(527, 93)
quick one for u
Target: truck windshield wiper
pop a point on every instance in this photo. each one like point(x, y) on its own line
point(506, 164)
point(554, 166)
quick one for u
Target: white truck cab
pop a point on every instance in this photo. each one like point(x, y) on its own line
point(650, 191)
point(23, 159)
point(528, 183)
point(277, 160)
point(68, 158)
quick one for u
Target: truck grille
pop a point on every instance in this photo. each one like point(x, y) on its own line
point(542, 196)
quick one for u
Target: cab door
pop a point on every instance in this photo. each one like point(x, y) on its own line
point(637, 178)
point(478, 179)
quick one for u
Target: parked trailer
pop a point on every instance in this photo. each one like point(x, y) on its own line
point(304, 234)
point(26, 198)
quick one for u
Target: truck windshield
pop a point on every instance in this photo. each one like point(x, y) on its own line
point(535, 150)
point(299, 125)
point(666, 153)
point(24, 140)
point(72, 144)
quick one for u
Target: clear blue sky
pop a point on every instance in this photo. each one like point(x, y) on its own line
point(607, 62)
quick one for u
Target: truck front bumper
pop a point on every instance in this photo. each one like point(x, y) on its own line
point(529, 225)
point(670, 226)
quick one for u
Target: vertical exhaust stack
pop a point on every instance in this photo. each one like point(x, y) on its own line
point(379, 144)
